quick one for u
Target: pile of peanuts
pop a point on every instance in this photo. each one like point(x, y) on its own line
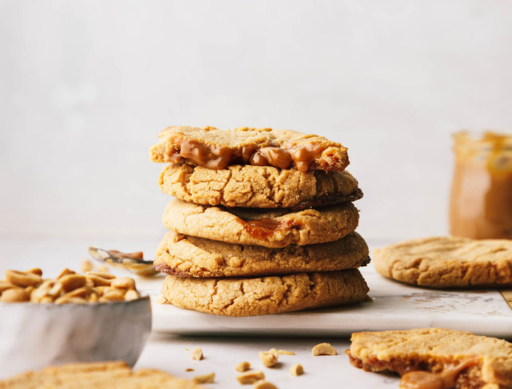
point(68, 288)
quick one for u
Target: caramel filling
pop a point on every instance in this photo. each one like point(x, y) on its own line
point(218, 157)
point(211, 157)
point(263, 228)
point(443, 380)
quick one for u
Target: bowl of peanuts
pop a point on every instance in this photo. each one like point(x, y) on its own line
point(72, 318)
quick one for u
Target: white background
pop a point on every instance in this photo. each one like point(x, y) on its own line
point(85, 87)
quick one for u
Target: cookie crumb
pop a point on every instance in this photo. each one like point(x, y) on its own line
point(161, 300)
point(243, 366)
point(269, 358)
point(323, 349)
point(251, 377)
point(296, 370)
point(204, 379)
point(86, 266)
point(284, 352)
point(197, 354)
point(189, 369)
point(264, 385)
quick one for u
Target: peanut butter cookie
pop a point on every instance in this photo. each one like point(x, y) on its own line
point(446, 262)
point(258, 186)
point(269, 228)
point(435, 358)
point(188, 256)
point(216, 149)
point(267, 295)
point(100, 375)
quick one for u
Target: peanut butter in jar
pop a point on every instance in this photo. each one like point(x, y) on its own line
point(481, 198)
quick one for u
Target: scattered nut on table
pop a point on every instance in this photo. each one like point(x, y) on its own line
point(264, 385)
point(269, 358)
point(197, 354)
point(205, 378)
point(284, 352)
point(323, 349)
point(86, 266)
point(161, 299)
point(251, 377)
point(68, 288)
point(243, 366)
point(296, 370)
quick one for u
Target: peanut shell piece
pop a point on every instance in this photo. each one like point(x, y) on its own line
point(264, 385)
point(131, 295)
point(98, 281)
point(65, 272)
point(4, 285)
point(102, 274)
point(243, 366)
point(113, 296)
point(19, 278)
point(205, 378)
point(269, 358)
point(323, 349)
point(70, 300)
point(123, 283)
point(251, 377)
point(36, 271)
point(71, 282)
point(197, 354)
point(14, 295)
point(296, 370)
point(86, 266)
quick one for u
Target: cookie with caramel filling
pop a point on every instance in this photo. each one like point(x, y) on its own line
point(266, 295)
point(98, 375)
point(447, 262)
point(188, 256)
point(435, 358)
point(216, 149)
point(270, 228)
point(258, 186)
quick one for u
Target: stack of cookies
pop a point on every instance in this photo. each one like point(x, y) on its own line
point(263, 222)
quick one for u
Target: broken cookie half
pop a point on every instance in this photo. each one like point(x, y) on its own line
point(435, 358)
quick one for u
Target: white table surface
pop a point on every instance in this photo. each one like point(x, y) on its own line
point(168, 352)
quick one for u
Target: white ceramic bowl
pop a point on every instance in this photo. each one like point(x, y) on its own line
point(33, 336)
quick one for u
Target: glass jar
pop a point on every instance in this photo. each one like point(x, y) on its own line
point(481, 198)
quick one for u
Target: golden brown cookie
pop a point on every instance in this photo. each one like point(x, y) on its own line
point(216, 149)
point(435, 357)
point(269, 228)
point(188, 256)
point(446, 262)
point(258, 186)
point(99, 375)
point(267, 295)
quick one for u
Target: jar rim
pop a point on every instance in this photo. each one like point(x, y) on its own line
point(483, 140)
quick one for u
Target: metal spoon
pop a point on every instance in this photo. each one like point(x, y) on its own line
point(132, 262)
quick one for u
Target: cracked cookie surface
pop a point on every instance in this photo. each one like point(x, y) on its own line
point(265, 295)
point(257, 186)
point(99, 375)
point(215, 149)
point(463, 359)
point(188, 256)
point(443, 262)
point(270, 228)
